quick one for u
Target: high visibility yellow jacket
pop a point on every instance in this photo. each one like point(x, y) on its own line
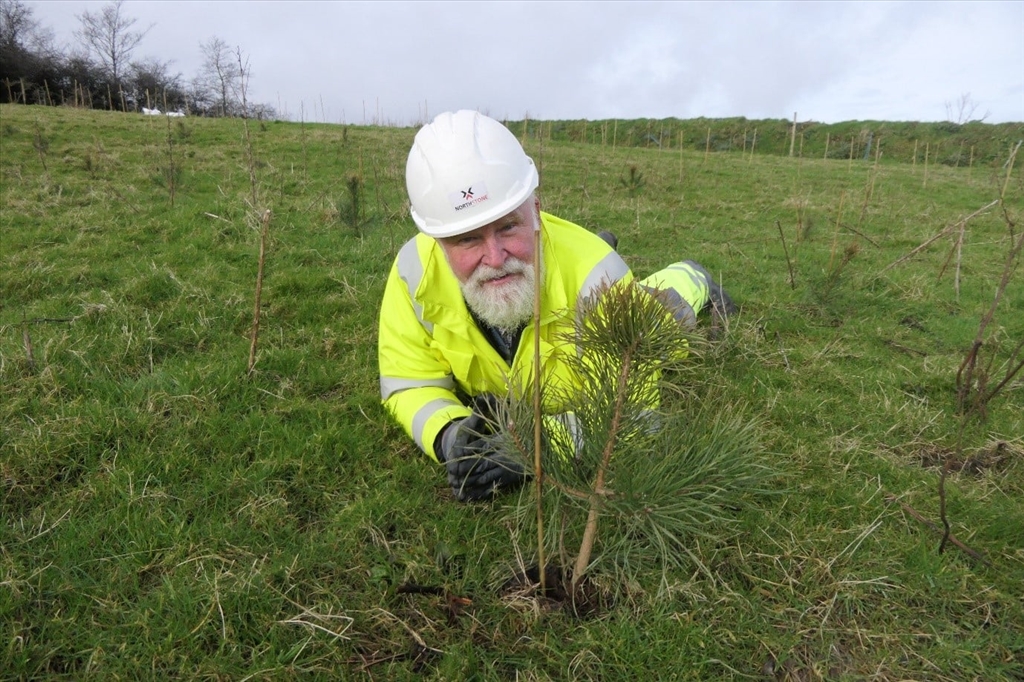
point(430, 349)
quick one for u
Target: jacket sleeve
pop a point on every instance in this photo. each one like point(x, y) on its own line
point(683, 288)
point(416, 383)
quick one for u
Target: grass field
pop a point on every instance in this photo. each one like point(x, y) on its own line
point(166, 514)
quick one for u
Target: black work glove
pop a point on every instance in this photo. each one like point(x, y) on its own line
point(475, 469)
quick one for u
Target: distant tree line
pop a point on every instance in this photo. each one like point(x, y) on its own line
point(101, 72)
point(944, 142)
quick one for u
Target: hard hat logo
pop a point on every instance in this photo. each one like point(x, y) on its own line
point(465, 170)
point(464, 198)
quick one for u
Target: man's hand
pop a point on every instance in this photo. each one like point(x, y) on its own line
point(475, 470)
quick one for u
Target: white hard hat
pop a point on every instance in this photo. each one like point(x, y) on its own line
point(464, 171)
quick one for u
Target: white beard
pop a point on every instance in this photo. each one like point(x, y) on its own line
point(506, 307)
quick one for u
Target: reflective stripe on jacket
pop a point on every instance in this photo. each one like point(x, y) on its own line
point(429, 347)
point(683, 287)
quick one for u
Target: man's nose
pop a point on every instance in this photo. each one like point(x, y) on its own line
point(494, 252)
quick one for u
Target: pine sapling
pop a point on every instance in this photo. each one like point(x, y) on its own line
point(628, 476)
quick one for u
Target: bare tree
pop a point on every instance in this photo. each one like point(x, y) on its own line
point(153, 76)
point(27, 53)
point(21, 31)
point(962, 110)
point(221, 75)
point(16, 22)
point(109, 35)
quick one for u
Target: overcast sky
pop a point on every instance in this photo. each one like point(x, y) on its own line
point(827, 62)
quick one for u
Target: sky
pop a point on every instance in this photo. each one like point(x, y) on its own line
point(402, 63)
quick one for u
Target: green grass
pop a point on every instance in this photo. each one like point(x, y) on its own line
point(164, 515)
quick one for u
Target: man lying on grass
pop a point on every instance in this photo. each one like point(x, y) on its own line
point(456, 321)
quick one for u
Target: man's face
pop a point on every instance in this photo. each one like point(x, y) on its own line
point(494, 266)
point(510, 236)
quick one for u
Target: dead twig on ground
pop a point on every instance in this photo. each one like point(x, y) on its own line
point(892, 499)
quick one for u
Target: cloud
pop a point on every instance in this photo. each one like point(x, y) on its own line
point(828, 61)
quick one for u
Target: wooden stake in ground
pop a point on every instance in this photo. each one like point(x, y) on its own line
point(707, 145)
point(538, 471)
point(914, 162)
point(264, 230)
point(927, 146)
point(792, 136)
point(789, 263)
point(959, 259)
point(172, 179)
point(753, 144)
point(943, 232)
point(540, 156)
point(835, 233)
point(827, 139)
point(680, 157)
point(26, 340)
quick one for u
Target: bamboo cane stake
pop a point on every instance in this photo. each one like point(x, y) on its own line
point(27, 342)
point(792, 136)
point(1009, 169)
point(265, 228)
point(785, 250)
point(943, 232)
point(835, 233)
point(538, 471)
point(680, 157)
point(927, 146)
point(959, 254)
